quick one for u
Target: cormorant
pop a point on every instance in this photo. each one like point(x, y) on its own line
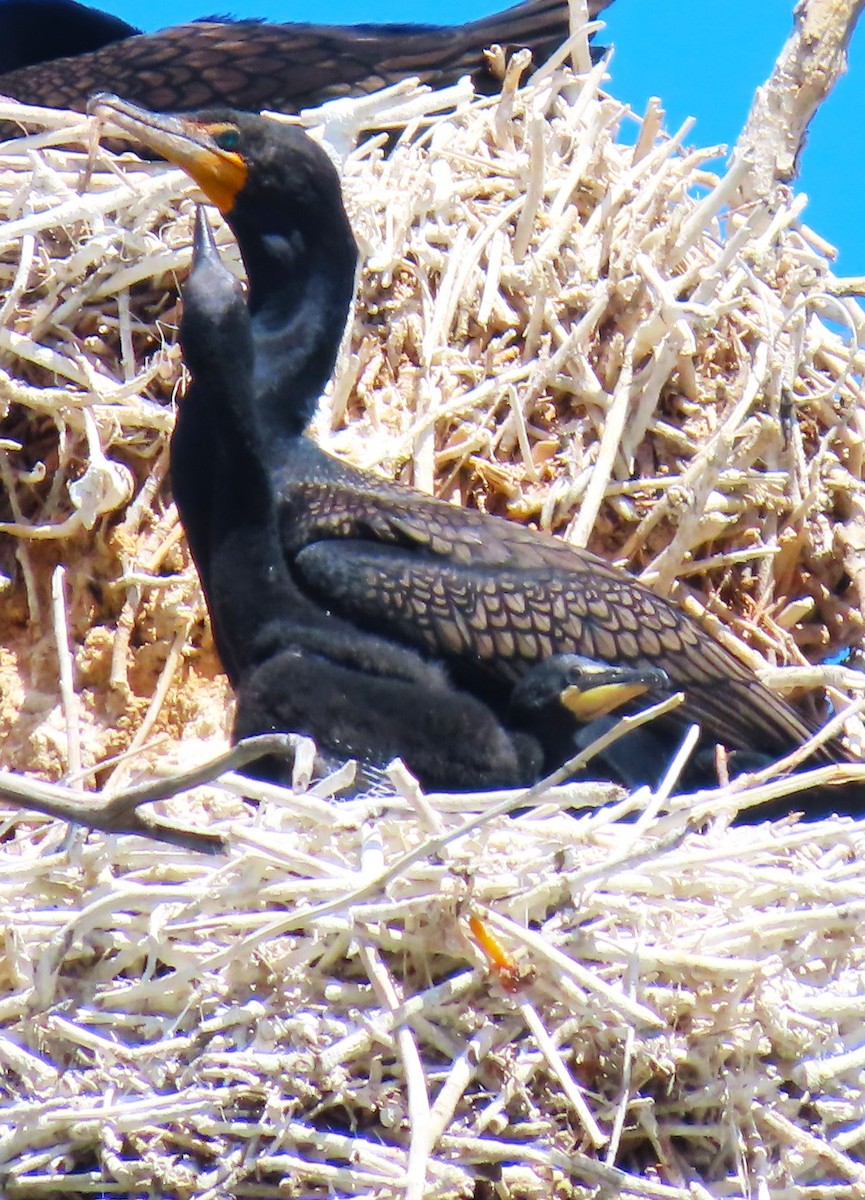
point(251, 64)
point(372, 698)
point(359, 695)
point(399, 624)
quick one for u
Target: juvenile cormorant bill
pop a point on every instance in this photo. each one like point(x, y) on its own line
point(509, 617)
point(253, 64)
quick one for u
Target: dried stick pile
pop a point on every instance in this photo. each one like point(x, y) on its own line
point(565, 317)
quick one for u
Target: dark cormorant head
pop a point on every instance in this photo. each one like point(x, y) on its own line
point(258, 171)
point(280, 194)
point(214, 327)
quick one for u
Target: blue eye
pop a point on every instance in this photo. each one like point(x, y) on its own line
point(227, 139)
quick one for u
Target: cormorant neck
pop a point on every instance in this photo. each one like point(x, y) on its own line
point(219, 398)
point(300, 290)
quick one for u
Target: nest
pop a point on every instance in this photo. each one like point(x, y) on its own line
point(563, 318)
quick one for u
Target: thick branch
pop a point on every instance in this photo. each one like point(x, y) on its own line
point(119, 813)
point(811, 63)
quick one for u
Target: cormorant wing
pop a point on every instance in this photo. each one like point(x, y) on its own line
point(480, 590)
point(252, 65)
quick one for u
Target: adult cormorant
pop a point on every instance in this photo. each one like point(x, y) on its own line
point(251, 64)
point(399, 613)
point(359, 695)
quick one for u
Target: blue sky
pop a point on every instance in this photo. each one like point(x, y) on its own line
point(702, 60)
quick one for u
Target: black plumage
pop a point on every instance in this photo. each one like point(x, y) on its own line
point(36, 31)
point(296, 666)
point(399, 624)
point(251, 64)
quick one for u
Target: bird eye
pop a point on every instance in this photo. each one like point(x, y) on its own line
point(227, 139)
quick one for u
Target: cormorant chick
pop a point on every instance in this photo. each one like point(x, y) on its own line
point(501, 619)
point(296, 666)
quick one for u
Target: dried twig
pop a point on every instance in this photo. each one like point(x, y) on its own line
point(117, 813)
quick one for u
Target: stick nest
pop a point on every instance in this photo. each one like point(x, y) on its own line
point(563, 318)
